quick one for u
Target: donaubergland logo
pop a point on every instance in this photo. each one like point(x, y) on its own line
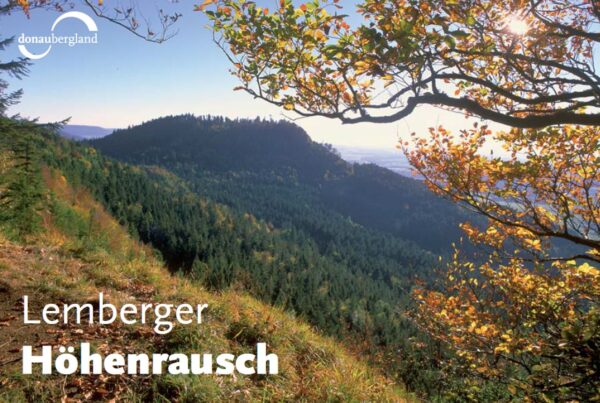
point(53, 39)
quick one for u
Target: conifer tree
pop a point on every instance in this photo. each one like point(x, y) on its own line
point(20, 182)
point(16, 68)
point(22, 195)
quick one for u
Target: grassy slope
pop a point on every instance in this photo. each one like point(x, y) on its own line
point(84, 251)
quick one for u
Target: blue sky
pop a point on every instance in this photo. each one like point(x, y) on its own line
point(124, 80)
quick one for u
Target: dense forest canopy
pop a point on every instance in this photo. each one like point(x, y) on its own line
point(346, 279)
point(275, 171)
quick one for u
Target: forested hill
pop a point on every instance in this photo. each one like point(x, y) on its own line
point(346, 279)
point(59, 242)
point(275, 171)
point(284, 237)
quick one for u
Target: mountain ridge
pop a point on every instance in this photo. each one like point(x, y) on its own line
point(275, 238)
point(268, 157)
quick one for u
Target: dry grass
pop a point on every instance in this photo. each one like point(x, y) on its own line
point(60, 266)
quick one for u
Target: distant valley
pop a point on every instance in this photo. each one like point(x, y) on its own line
point(84, 132)
point(391, 159)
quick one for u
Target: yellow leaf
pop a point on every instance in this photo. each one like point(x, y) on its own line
point(206, 3)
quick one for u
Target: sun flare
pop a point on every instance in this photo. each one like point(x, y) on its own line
point(517, 25)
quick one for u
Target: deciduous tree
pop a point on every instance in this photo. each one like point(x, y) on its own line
point(527, 317)
point(522, 63)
